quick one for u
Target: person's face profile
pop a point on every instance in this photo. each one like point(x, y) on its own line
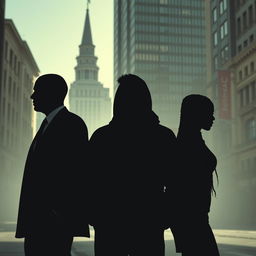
point(207, 119)
point(39, 97)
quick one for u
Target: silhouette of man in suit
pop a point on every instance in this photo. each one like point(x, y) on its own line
point(51, 212)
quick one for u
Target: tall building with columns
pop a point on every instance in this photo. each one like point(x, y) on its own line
point(17, 119)
point(87, 96)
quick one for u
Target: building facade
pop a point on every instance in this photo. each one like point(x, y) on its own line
point(222, 48)
point(243, 67)
point(163, 42)
point(16, 123)
point(87, 96)
point(231, 85)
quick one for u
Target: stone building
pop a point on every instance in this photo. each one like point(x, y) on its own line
point(16, 123)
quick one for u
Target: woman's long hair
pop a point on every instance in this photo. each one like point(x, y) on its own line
point(194, 107)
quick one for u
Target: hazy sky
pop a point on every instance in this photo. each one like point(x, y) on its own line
point(53, 30)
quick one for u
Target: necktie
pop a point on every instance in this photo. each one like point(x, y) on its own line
point(42, 127)
point(40, 132)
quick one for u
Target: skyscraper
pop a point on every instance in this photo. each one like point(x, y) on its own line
point(163, 42)
point(87, 96)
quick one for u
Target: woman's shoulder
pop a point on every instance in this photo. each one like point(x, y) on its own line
point(100, 133)
point(165, 131)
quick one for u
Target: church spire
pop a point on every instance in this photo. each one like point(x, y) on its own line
point(87, 35)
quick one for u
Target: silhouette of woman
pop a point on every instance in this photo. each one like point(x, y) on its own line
point(129, 157)
point(192, 183)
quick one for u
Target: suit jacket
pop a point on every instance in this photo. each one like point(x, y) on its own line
point(54, 181)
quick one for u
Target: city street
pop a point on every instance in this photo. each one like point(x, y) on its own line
point(231, 243)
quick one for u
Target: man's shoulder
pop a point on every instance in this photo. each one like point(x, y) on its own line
point(67, 115)
point(70, 121)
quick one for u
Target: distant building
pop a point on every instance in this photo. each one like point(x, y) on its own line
point(87, 96)
point(16, 123)
point(163, 42)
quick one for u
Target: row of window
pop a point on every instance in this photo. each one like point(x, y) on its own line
point(170, 10)
point(247, 94)
point(185, 40)
point(194, 31)
point(173, 49)
point(88, 93)
point(220, 33)
point(194, 3)
point(186, 60)
point(222, 8)
point(86, 74)
point(239, 3)
point(168, 19)
point(219, 60)
point(248, 70)
point(11, 57)
point(245, 43)
point(246, 20)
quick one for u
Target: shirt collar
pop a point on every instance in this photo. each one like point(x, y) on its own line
point(52, 114)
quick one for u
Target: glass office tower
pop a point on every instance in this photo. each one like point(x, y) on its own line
point(162, 41)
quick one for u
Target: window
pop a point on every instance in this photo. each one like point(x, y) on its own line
point(245, 43)
point(239, 48)
point(253, 91)
point(221, 7)
point(250, 15)
point(223, 30)
point(224, 54)
point(11, 57)
point(239, 26)
point(86, 74)
point(215, 38)
point(252, 66)
point(246, 71)
point(244, 20)
point(247, 95)
point(224, 5)
point(241, 98)
point(163, 1)
point(237, 4)
point(6, 50)
point(251, 129)
point(214, 15)
point(251, 38)
point(215, 62)
point(240, 75)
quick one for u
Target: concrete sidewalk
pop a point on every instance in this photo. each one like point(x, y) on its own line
point(223, 236)
point(231, 237)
